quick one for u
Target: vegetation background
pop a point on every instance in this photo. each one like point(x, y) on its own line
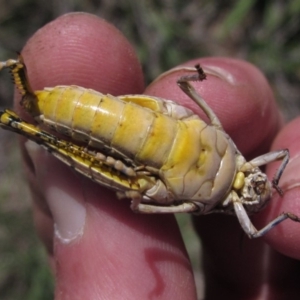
point(164, 34)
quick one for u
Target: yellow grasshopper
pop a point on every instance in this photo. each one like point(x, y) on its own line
point(152, 150)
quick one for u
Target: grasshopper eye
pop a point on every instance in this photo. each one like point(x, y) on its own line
point(259, 187)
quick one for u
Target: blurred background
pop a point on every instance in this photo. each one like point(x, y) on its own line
point(164, 34)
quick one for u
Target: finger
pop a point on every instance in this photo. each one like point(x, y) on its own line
point(66, 52)
point(102, 249)
point(285, 237)
point(242, 99)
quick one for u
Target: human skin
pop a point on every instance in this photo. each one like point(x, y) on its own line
point(100, 249)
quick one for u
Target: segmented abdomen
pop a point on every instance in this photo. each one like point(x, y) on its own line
point(106, 122)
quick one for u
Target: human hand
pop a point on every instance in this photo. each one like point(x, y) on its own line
point(101, 248)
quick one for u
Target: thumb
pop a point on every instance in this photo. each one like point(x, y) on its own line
point(101, 248)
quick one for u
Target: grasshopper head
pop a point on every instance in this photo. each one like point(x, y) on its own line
point(256, 192)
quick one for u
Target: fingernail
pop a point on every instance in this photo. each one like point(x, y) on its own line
point(212, 70)
point(291, 176)
point(64, 197)
point(68, 213)
point(220, 72)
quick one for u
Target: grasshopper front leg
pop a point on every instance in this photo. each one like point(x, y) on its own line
point(185, 207)
point(249, 228)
